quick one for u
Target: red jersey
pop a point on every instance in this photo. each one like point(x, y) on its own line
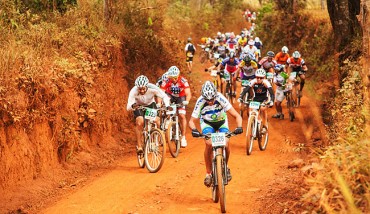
point(175, 89)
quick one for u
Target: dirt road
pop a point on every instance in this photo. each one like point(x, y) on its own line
point(178, 186)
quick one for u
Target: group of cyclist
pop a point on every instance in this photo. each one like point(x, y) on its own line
point(211, 107)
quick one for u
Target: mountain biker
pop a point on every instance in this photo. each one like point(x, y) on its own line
point(232, 43)
point(220, 48)
point(260, 87)
point(282, 56)
point(280, 78)
point(247, 67)
point(177, 87)
point(189, 51)
point(211, 108)
point(144, 94)
point(268, 62)
point(162, 79)
point(297, 64)
point(230, 65)
point(259, 45)
point(251, 49)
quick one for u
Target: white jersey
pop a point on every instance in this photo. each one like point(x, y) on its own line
point(148, 98)
point(212, 113)
point(251, 51)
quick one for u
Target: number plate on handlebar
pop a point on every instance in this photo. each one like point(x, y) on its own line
point(218, 139)
point(206, 49)
point(269, 75)
point(227, 75)
point(245, 82)
point(254, 105)
point(150, 114)
point(173, 110)
point(213, 73)
point(293, 74)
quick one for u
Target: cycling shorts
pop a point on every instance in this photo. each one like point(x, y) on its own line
point(179, 100)
point(212, 127)
point(141, 112)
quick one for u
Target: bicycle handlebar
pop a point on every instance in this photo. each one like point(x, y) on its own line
point(208, 135)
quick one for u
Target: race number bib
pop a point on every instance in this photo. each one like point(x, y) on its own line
point(245, 82)
point(218, 139)
point(254, 105)
point(213, 73)
point(150, 114)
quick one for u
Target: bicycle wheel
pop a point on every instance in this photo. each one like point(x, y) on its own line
point(215, 192)
point(155, 151)
point(290, 105)
point(173, 143)
point(249, 134)
point(220, 182)
point(229, 96)
point(263, 139)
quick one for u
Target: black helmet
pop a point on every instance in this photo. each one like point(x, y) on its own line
point(247, 59)
point(270, 54)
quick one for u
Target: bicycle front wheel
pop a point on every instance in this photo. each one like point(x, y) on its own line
point(249, 134)
point(173, 139)
point(155, 151)
point(220, 182)
point(290, 105)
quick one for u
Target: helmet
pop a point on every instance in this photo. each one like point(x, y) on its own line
point(285, 49)
point(173, 71)
point(278, 67)
point(232, 54)
point(218, 33)
point(270, 54)
point(296, 55)
point(247, 59)
point(256, 39)
point(141, 81)
point(242, 35)
point(260, 72)
point(250, 42)
point(165, 75)
point(189, 39)
point(209, 90)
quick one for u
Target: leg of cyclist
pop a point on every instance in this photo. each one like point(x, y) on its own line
point(279, 97)
point(206, 128)
point(138, 131)
point(264, 119)
point(303, 77)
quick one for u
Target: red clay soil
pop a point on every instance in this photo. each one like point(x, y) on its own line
point(264, 182)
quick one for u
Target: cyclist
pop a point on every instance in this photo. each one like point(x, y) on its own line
point(232, 43)
point(189, 51)
point(297, 64)
point(242, 42)
point(280, 78)
point(282, 56)
point(211, 108)
point(220, 48)
point(251, 49)
point(162, 79)
point(259, 45)
point(230, 65)
point(268, 62)
point(144, 94)
point(247, 67)
point(177, 87)
point(260, 88)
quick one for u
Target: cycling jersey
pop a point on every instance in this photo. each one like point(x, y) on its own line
point(295, 64)
point(147, 98)
point(281, 58)
point(243, 41)
point(248, 71)
point(230, 66)
point(221, 49)
point(250, 50)
point(212, 113)
point(175, 89)
point(260, 90)
point(265, 64)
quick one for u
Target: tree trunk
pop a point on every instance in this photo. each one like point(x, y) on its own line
point(343, 19)
point(107, 10)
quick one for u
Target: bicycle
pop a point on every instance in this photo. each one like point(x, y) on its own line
point(153, 140)
point(296, 88)
point(229, 87)
point(290, 101)
point(254, 128)
point(219, 166)
point(170, 124)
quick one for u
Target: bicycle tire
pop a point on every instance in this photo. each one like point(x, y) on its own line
point(173, 144)
point(290, 105)
point(215, 194)
point(155, 151)
point(220, 182)
point(263, 140)
point(249, 134)
point(229, 96)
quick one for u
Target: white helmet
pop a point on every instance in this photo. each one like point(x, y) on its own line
point(209, 90)
point(251, 42)
point(260, 72)
point(141, 81)
point(256, 39)
point(173, 71)
point(296, 55)
point(285, 49)
point(218, 33)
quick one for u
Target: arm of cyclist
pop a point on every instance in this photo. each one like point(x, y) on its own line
point(160, 94)
point(194, 130)
point(188, 96)
point(238, 119)
point(131, 101)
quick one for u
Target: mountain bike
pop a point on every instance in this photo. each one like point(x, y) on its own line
point(254, 128)
point(171, 125)
point(229, 87)
point(296, 88)
point(153, 140)
point(204, 54)
point(290, 101)
point(219, 166)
